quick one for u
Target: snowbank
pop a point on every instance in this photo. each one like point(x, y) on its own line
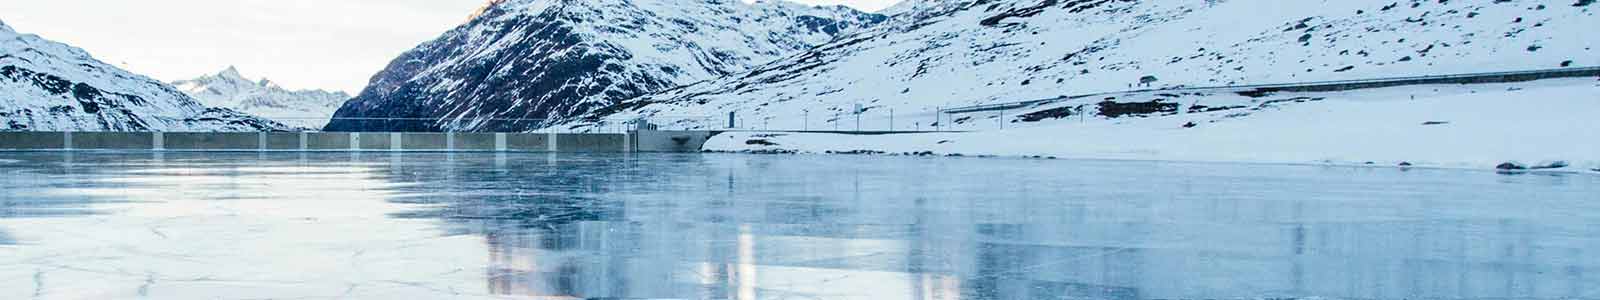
point(1449, 126)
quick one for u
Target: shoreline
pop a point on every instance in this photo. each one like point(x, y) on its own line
point(1363, 165)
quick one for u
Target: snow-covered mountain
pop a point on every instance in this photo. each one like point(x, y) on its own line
point(538, 59)
point(229, 89)
point(956, 53)
point(50, 86)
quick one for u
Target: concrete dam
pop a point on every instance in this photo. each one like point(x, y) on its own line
point(632, 141)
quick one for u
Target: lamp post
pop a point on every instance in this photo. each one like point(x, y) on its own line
point(858, 111)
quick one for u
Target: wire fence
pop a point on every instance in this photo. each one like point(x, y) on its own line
point(867, 120)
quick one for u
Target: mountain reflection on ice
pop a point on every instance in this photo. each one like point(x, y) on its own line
point(52, 190)
point(577, 226)
point(737, 227)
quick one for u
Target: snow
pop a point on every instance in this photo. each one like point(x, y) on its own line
point(230, 89)
point(50, 86)
point(1483, 126)
point(904, 7)
point(943, 54)
point(536, 59)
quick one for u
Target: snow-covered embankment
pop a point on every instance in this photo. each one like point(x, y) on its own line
point(1544, 124)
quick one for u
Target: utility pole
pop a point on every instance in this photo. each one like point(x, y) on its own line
point(805, 120)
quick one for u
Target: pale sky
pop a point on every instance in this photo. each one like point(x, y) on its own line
point(300, 44)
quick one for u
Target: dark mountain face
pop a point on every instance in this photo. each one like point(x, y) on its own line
point(522, 64)
point(106, 109)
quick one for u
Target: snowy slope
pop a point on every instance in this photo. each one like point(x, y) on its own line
point(229, 89)
point(49, 86)
point(561, 58)
point(1450, 126)
point(957, 53)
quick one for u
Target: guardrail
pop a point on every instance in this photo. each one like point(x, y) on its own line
point(1319, 86)
point(632, 141)
point(463, 124)
point(301, 123)
point(868, 121)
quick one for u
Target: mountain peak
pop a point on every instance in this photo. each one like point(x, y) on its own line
point(557, 59)
point(484, 9)
point(904, 7)
point(230, 89)
point(58, 87)
point(4, 28)
point(232, 73)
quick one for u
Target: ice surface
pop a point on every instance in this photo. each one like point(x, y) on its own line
point(412, 226)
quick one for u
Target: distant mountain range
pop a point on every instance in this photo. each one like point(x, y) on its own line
point(520, 62)
point(528, 64)
point(50, 86)
point(229, 89)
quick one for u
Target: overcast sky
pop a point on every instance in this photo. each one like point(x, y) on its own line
point(328, 44)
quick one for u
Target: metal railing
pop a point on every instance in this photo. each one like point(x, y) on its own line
point(871, 120)
point(473, 125)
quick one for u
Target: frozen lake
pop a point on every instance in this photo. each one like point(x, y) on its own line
point(537, 226)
